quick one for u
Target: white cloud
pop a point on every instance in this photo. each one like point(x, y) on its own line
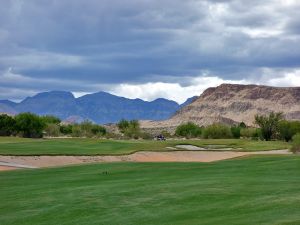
point(179, 93)
point(291, 79)
point(174, 91)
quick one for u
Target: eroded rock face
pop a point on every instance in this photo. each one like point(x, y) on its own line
point(233, 103)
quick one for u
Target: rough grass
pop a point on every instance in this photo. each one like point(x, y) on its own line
point(86, 146)
point(258, 190)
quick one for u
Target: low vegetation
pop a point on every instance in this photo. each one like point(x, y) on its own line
point(188, 130)
point(255, 190)
point(270, 127)
point(296, 143)
point(217, 131)
point(29, 125)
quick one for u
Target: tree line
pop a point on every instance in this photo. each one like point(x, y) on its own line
point(30, 125)
point(270, 127)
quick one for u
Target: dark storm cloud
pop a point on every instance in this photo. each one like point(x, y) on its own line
point(74, 44)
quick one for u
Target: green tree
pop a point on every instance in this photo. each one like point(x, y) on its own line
point(66, 129)
point(296, 143)
point(188, 130)
point(52, 130)
point(217, 131)
point(98, 130)
point(242, 125)
point(7, 125)
point(50, 119)
point(130, 129)
point(236, 131)
point(269, 124)
point(254, 133)
point(123, 125)
point(287, 129)
point(29, 125)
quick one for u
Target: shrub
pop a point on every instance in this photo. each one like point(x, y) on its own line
point(166, 134)
point(216, 131)
point(29, 125)
point(269, 124)
point(287, 129)
point(242, 125)
point(7, 125)
point(188, 130)
point(50, 119)
point(76, 131)
point(146, 136)
point(123, 125)
point(296, 143)
point(130, 129)
point(52, 130)
point(253, 133)
point(236, 131)
point(98, 130)
point(66, 129)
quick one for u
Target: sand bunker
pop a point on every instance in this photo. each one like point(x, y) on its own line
point(189, 147)
point(175, 156)
point(3, 168)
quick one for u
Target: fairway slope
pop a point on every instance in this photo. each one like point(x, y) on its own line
point(260, 190)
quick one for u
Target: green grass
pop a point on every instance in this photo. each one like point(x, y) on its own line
point(86, 146)
point(258, 190)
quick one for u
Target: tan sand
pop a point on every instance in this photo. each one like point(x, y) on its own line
point(5, 168)
point(176, 156)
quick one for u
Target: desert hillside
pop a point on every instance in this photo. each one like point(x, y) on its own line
point(232, 103)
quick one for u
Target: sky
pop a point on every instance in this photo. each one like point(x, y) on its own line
point(146, 49)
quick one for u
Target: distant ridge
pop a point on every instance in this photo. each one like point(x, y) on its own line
point(100, 107)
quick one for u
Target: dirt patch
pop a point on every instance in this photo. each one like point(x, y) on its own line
point(175, 156)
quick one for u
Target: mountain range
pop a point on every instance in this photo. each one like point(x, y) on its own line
point(100, 107)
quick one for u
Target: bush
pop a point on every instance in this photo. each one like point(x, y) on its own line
point(296, 143)
point(66, 129)
point(123, 125)
point(217, 131)
point(242, 125)
point(50, 119)
point(236, 131)
point(130, 129)
point(188, 130)
point(52, 130)
point(146, 136)
point(253, 133)
point(29, 125)
point(76, 131)
point(98, 130)
point(7, 125)
point(287, 129)
point(269, 125)
point(166, 134)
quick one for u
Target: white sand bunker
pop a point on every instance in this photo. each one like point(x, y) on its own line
point(189, 147)
point(207, 147)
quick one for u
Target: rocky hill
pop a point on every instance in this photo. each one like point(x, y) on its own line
point(232, 103)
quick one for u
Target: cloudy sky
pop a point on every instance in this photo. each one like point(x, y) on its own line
point(146, 48)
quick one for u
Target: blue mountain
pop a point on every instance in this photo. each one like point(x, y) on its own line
point(100, 107)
